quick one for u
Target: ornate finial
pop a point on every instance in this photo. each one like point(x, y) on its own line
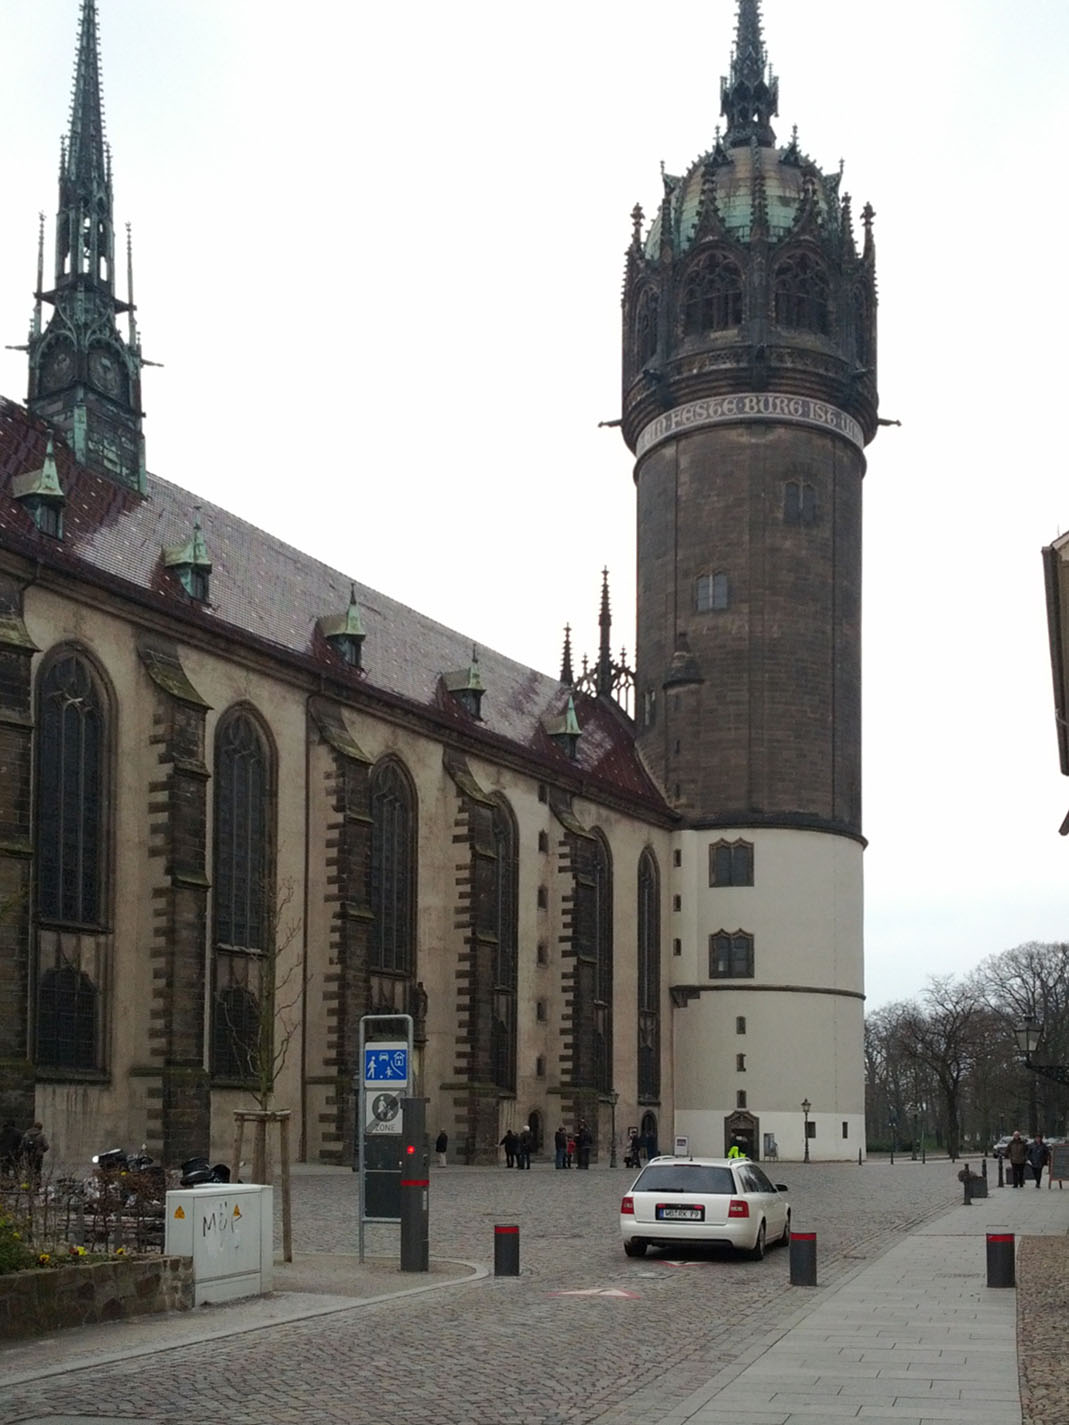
point(567, 677)
point(636, 226)
point(749, 99)
point(868, 212)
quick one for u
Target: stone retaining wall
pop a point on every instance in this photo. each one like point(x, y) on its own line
point(42, 1299)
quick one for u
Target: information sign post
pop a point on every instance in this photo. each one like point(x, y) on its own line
point(384, 1081)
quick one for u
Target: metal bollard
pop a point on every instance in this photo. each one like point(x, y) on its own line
point(803, 1259)
point(1000, 1259)
point(506, 1251)
point(1000, 1181)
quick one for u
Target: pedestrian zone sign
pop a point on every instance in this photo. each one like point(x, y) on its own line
point(385, 1064)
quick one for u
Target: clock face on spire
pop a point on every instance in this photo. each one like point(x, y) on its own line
point(104, 371)
point(57, 368)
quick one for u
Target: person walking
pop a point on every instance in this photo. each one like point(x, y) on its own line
point(1038, 1156)
point(1017, 1152)
point(441, 1143)
point(523, 1154)
point(509, 1143)
point(569, 1151)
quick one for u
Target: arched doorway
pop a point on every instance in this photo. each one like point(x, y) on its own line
point(742, 1128)
point(534, 1123)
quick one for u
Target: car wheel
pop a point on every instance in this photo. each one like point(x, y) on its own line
point(635, 1247)
point(785, 1239)
point(757, 1251)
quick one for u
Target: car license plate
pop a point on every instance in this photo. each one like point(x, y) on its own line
point(669, 1212)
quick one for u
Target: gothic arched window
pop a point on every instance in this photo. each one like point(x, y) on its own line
point(603, 954)
point(72, 797)
point(649, 978)
point(242, 790)
point(800, 290)
point(243, 887)
point(646, 326)
point(393, 870)
point(711, 299)
point(506, 876)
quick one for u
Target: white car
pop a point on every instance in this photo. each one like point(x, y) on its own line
point(676, 1201)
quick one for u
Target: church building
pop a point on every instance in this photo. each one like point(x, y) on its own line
point(247, 801)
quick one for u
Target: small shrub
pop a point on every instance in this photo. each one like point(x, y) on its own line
point(14, 1253)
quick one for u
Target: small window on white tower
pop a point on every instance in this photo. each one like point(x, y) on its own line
point(740, 1024)
point(731, 863)
point(731, 955)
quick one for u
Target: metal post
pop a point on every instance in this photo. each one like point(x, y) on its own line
point(806, 1106)
point(1000, 1258)
point(803, 1252)
point(612, 1147)
point(507, 1250)
point(415, 1187)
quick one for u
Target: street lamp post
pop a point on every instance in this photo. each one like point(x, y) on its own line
point(806, 1106)
point(1028, 1036)
point(612, 1146)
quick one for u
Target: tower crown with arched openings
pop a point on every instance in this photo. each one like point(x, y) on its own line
point(749, 277)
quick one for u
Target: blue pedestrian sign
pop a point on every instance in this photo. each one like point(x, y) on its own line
point(385, 1064)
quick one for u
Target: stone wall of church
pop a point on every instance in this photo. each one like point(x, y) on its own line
point(166, 696)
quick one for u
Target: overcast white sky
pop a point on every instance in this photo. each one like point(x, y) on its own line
point(379, 251)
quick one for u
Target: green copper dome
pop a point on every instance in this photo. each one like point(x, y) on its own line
point(738, 181)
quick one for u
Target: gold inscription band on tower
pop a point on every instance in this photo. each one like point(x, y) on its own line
point(749, 406)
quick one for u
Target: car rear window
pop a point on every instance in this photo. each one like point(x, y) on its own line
point(684, 1177)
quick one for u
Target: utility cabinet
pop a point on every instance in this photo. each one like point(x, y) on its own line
point(228, 1230)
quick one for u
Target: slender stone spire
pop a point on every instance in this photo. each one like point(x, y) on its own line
point(567, 677)
point(605, 651)
point(749, 99)
point(86, 155)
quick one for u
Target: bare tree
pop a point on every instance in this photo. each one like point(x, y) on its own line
point(943, 1039)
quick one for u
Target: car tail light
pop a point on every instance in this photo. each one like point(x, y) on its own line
point(738, 1207)
point(628, 1206)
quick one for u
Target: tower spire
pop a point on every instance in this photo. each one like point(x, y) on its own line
point(86, 160)
point(84, 377)
point(749, 99)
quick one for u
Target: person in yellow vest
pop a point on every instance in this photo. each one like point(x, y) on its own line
point(735, 1151)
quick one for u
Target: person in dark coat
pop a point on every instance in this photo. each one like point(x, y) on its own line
point(10, 1148)
point(441, 1143)
point(585, 1140)
point(510, 1143)
point(523, 1152)
point(34, 1148)
point(560, 1147)
point(1017, 1152)
point(1038, 1156)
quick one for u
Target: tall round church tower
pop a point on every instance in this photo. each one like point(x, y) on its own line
point(749, 395)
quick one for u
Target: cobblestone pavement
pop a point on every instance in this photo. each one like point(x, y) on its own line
point(504, 1349)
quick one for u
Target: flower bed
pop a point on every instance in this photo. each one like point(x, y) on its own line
point(85, 1292)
